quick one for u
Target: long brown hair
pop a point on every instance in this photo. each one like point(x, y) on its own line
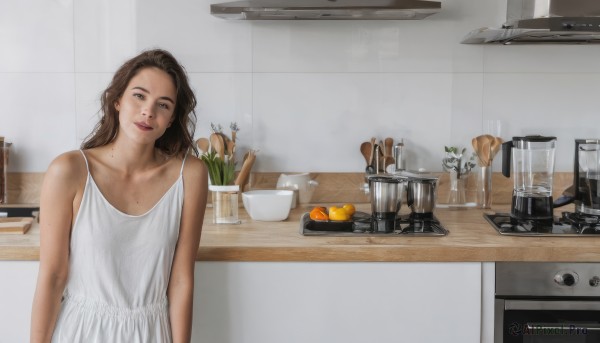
point(178, 138)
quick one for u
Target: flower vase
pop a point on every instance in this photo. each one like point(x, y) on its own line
point(457, 194)
point(225, 204)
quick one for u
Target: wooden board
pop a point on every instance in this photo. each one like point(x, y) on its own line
point(15, 224)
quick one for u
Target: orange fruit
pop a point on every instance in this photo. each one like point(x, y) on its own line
point(318, 213)
point(350, 209)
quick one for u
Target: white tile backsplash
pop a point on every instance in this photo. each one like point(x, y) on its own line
point(539, 104)
point(87, 101)
point(317, 121)
point(36, 36)
point(306, 93)
point(38, 117)
point(203, 43)
point(542, 59)
point(352, 46)
point(105, 34)
point(224, 98)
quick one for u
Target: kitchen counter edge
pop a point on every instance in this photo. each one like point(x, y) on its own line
point(471, 239)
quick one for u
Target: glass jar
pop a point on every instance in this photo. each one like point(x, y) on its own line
point(225, 204)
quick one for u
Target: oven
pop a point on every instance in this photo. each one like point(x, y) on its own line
point(547, 302)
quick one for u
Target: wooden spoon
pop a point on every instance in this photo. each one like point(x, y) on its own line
point(365, 150)
point(244, 174)
point(495, 147)
point(388, 145)
point(475, 142)
point(482, 147)
point(381, 157)
point(218, 145)
point(486, 150)
point(203, 144)
point(230, 148)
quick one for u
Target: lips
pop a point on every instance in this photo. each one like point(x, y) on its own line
point(143, 126)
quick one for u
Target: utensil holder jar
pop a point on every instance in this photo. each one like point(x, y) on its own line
point(484, 187)
point(225, 204)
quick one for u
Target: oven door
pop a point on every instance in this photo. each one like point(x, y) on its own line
point(547, 321)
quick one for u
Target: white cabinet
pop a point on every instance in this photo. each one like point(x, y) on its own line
point(299, 302)
point(17, 285)
point(275, 302)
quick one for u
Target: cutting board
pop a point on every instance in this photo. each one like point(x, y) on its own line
point(15, 224)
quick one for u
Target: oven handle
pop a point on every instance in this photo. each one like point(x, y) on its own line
point(555, 327)
point(561, 305)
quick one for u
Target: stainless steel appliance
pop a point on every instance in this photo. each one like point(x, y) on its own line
point(386, 199)
point(386, 195)
point(325, 9)
point(421, 194)
point(524, 219)
point(586, 176)
point(548, 21)
point(547, 302)
point(532, 162)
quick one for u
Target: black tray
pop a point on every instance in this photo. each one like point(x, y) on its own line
point(360, 225)
point(335, 226)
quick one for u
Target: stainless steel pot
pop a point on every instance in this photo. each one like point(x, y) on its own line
point(386, 193)
point(386, 199)
point(421, 194)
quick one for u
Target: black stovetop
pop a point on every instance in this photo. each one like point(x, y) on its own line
point(568, 224)
point(362, 225)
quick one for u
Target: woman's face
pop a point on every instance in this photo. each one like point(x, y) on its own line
point(146, 108)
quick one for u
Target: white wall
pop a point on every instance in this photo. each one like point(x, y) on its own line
point(306, 93)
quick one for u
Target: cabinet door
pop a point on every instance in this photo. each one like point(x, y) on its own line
point(17, 285)
point(274, 302)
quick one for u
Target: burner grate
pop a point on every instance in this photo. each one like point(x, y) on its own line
point(569, 224)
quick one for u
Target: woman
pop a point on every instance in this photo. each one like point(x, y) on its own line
point(121, 218)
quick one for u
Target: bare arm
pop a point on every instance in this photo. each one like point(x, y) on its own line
point(181, 283)
point(59, 190)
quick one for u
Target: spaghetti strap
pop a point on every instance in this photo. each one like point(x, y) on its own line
point(87, 166)
point(182, 164)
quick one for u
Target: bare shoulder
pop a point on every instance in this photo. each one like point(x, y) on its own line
point(69, 166)
point(195, 169)
point(63, 183)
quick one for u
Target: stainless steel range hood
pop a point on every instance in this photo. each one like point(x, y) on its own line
point(544, 21)
point(326, 9)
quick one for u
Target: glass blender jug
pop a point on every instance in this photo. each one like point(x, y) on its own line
point(532, 160)
point(587, 176)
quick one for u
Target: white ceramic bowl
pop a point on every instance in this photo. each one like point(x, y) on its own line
point(268, 204)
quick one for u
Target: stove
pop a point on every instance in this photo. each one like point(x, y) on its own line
point(568, 224)
point(362, 225)
point(547, 302)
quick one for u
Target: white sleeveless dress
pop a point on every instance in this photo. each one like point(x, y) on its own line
point(119, 269)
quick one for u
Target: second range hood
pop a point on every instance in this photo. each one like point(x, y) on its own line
point(326, 9)
point(544, 21)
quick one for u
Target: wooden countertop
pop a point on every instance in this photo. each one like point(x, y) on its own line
point(471, 239)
